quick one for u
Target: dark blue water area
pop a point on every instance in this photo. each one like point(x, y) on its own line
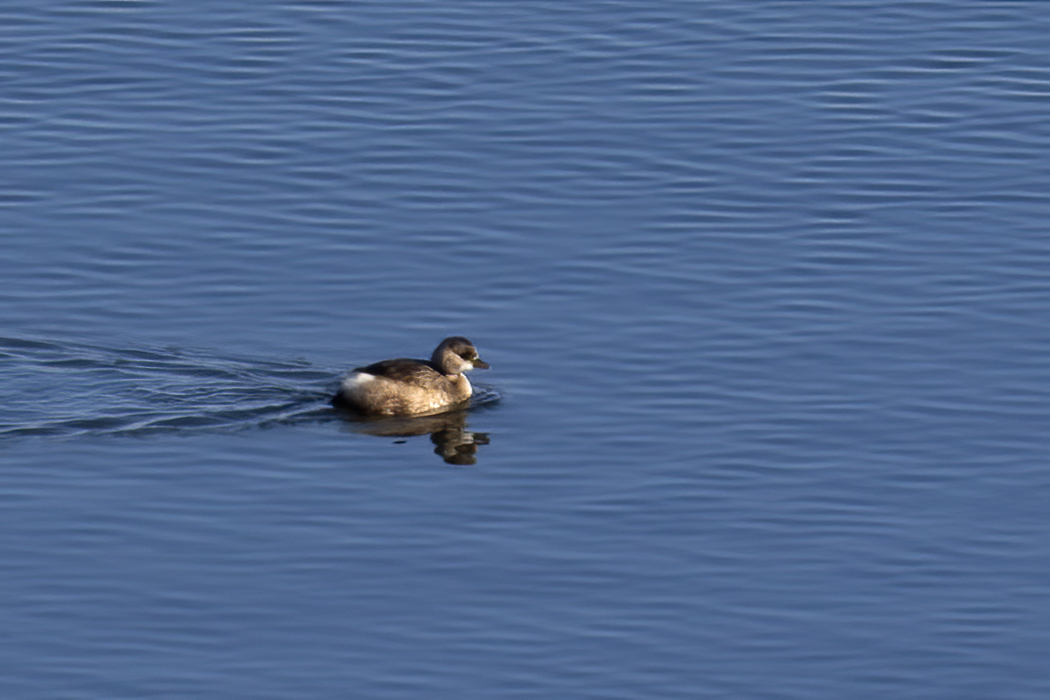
point(765, 289)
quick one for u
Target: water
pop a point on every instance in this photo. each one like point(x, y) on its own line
point(763, 288)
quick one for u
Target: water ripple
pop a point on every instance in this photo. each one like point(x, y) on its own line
point(69, 389)
point(75, 389)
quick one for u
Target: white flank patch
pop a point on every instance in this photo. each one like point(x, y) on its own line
point(356, 380)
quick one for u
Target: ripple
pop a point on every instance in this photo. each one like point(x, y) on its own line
point(75, 389)
point(58, 389)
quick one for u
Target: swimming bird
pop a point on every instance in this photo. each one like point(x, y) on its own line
point(405, 387)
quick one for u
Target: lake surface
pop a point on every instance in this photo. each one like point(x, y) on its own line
point(765, 288)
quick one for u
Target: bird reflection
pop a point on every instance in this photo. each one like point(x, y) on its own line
point(448, 431)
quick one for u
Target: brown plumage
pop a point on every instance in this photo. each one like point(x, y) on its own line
point(404, 387)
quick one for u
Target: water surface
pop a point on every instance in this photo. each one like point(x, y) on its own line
point(764, 292)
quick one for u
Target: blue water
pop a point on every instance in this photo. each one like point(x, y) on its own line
point(764, 287)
